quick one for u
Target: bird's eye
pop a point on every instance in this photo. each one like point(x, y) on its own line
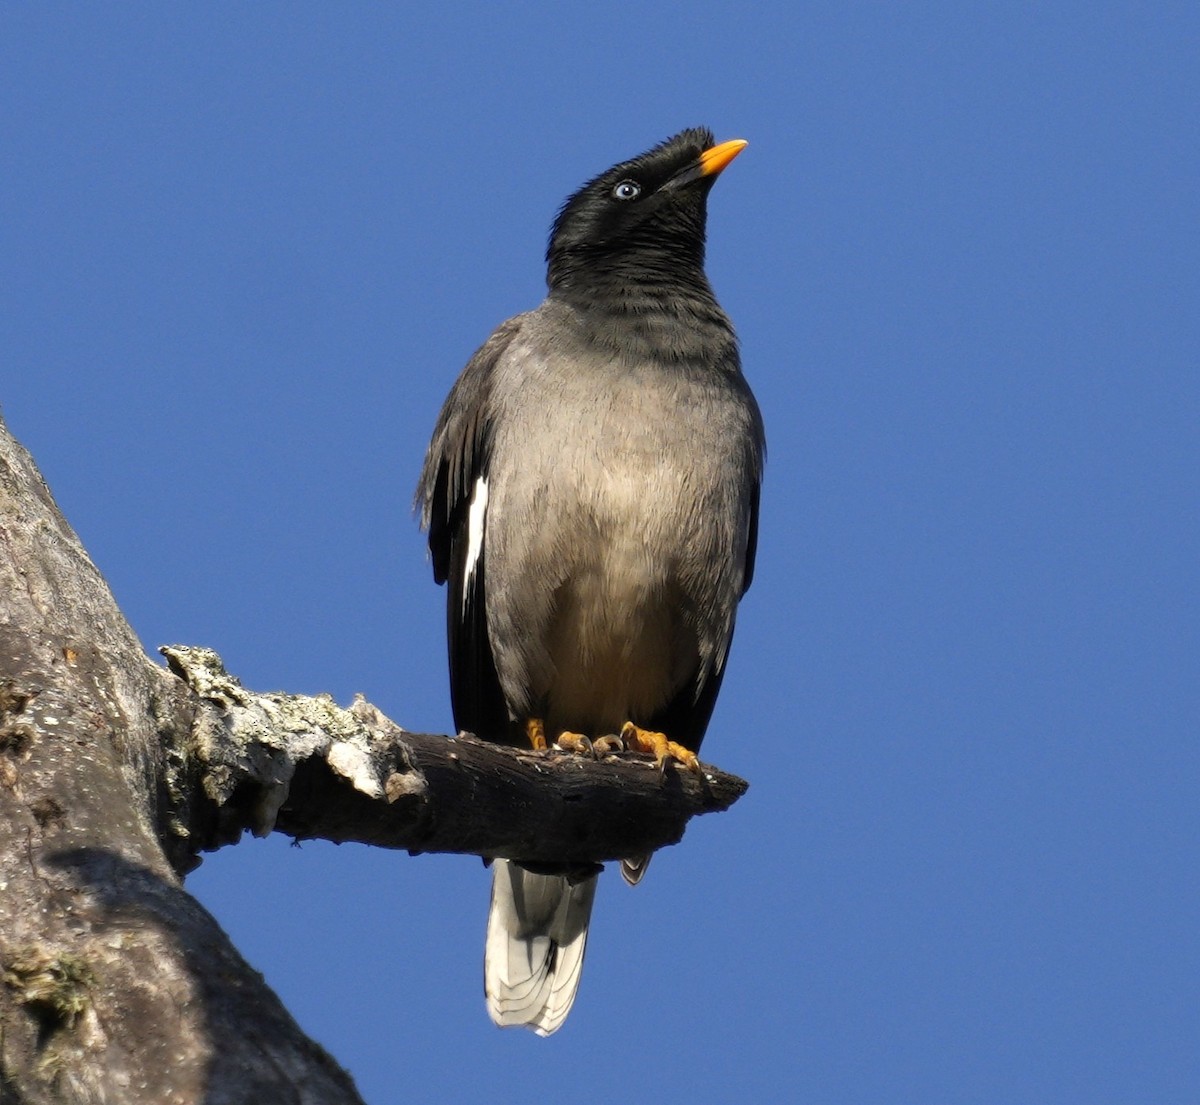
point(627, 190)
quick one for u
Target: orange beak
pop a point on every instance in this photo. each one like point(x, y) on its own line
point(715, 159)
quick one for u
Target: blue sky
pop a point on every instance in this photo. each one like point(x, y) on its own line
point(244, 251)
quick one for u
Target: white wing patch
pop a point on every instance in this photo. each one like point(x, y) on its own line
point(476, 518)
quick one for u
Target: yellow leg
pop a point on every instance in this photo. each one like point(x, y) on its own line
point(645, 740)
point(535, 730)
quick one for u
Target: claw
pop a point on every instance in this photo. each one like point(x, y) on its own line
point(605, 746)
point(645, 740)
point(576, 742)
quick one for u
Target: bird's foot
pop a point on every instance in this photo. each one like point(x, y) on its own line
point(575, 742)
point(645, 740)
point(535, 730)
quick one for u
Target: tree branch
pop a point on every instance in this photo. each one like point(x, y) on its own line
point(306, 767)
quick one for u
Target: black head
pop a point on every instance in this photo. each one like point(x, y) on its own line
point(642, 220)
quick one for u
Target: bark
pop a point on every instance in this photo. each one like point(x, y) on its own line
point(116, 772)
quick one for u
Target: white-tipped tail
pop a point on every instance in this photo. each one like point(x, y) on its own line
point(536, 936)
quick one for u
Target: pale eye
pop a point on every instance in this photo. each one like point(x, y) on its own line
point(627, 190)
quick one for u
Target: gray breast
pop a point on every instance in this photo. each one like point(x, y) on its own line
point(617, 514)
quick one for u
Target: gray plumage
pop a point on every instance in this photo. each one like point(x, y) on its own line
point(591, 495)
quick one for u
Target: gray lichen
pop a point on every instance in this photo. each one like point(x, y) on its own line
point(54, 984)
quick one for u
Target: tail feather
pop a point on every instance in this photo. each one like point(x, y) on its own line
point(537, 934)
point(633, 869)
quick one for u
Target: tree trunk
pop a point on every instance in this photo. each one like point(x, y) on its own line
point(116, 986)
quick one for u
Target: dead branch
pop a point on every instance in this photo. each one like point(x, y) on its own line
point(305, 767)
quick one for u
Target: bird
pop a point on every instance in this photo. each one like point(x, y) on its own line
point(591, 495)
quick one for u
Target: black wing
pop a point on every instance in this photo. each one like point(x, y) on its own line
point(751, 540)
point(456, 463)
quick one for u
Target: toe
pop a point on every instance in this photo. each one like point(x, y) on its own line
point(663, 749)
point(575, 742)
